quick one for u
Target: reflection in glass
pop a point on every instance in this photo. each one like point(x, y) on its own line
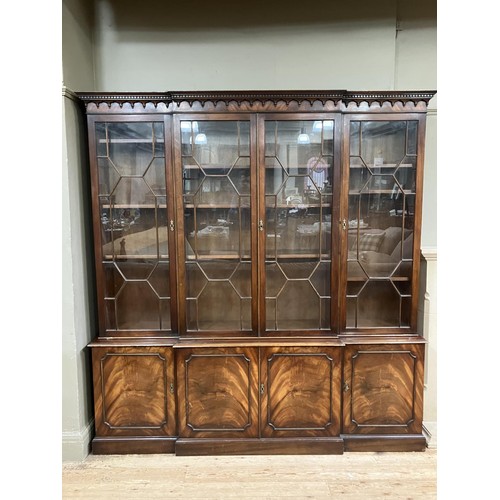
point(132, 202)
point(382, 182)
point(298, 199)
point(216, 195)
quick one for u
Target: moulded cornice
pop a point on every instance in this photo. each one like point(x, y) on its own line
point(347, 98)
point(110, 99)
point(392, 96)
point(261, 96)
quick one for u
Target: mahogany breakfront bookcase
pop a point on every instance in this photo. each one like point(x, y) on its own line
point(257, 268)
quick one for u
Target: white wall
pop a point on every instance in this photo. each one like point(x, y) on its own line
point(198, 45)
point(416, 67)
point(77, 308)
point(77, 44)
point(259, 45)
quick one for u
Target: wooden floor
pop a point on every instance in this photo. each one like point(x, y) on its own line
point(357, 476)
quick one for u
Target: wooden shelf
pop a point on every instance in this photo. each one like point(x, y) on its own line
point(300, 206)
point(384, 166)
point(380, 191)
point(222, 206)
point(219, 256)
point(217, 167)
point(378, 278)
point(130, 141)
point(110, 258)
point(140, 205)
point(269, 258)
point(273, 258)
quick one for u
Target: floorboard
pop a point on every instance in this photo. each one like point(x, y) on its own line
point(357, 476)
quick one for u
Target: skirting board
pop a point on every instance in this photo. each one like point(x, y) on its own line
point(430, 432)
point(76, 445)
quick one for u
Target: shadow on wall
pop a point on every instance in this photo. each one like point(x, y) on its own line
point(196, 14)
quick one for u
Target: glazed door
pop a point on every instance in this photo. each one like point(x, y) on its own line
point(383, 160)
point(133, 223)
point(299, 186)
point(215, 160)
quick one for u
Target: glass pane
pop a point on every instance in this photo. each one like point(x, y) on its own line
point(298, 306)
point(298, 187)
point(235, 310)
point(215, 146)
point(216, 193)
point(130, 147)
point(411, 147)
point(137, 307)
point(108, 176)
point(355, 139)
point(218, 296)
point(132, 195)
point(134, 231)
point(382, 178)
point(155, 178)
point(378, 305)
point(383, 143)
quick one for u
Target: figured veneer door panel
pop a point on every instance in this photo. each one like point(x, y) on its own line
point(218, 392)
point(134, 391)
point(383, 389)
point(300, 391)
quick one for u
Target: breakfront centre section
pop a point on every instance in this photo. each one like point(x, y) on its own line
point(257, 268)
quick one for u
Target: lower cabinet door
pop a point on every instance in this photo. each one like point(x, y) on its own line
point(300, 391)
point(218, 392)
point(383, 389)
point(134, 392)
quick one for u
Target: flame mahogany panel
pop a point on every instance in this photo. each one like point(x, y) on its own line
point(300, 391)
point(134, 391)
point(218, 392)
point(383, 389)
